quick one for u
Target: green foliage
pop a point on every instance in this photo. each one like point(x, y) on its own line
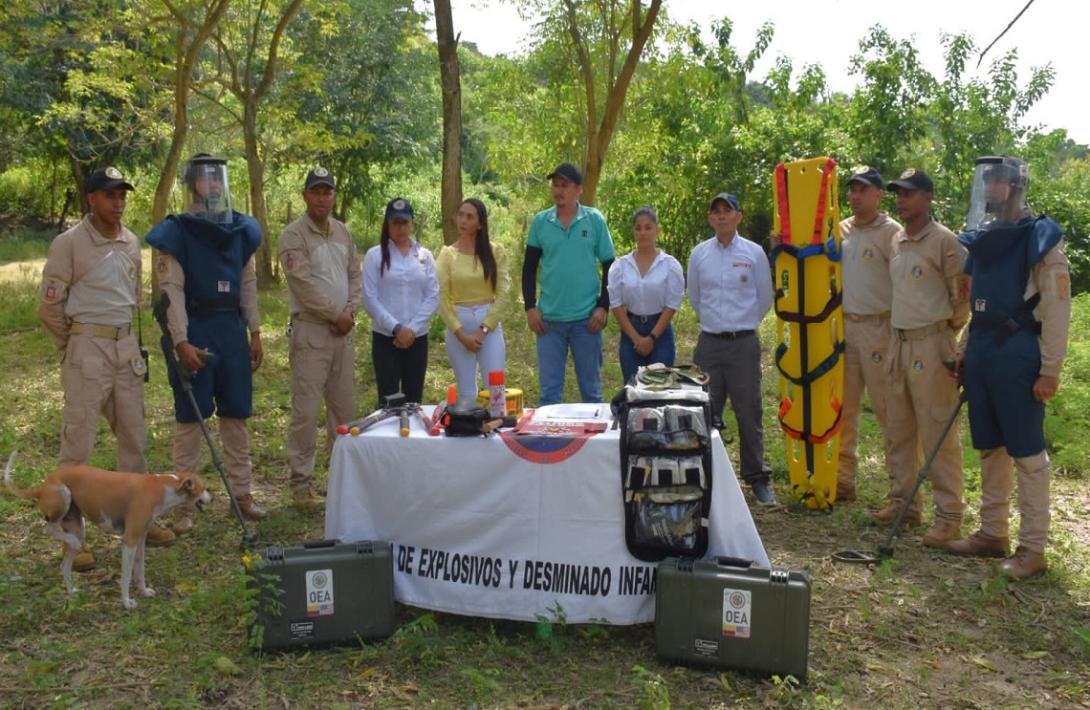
point(654, 693)
point(1067, 415)
point(357, 90)
point(366, 106)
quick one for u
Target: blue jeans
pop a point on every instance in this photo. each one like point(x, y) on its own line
point(662, 352)
point(552, 360)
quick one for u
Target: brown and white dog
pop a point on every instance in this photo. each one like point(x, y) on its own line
point(125, 503)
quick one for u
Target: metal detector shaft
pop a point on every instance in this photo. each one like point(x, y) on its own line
point(885, 549)
point(185, 377)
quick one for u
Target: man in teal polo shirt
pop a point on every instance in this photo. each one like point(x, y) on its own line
point(572, 245)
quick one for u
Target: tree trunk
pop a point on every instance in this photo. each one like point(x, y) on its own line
point(169, 171)
point(451, 83)
point(186, 52)
point(255, 168)
point(600, 131)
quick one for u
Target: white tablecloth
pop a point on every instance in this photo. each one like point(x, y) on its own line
point(476, 529)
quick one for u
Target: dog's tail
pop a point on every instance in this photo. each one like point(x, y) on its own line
point(8, 482)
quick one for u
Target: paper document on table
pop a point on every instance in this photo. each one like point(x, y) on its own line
point(582, 412)
point(564, 420)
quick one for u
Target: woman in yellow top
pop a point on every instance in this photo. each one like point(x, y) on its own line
point(473, 292)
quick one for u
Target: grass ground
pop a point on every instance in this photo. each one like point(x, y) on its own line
point(921, 630)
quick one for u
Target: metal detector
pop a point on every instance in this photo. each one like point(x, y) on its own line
point(885, 548)
point(185, 377)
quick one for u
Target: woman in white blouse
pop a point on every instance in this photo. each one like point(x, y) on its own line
point(645, 291)
point(401, 293)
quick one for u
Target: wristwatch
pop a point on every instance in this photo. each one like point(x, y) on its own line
point(654, 338)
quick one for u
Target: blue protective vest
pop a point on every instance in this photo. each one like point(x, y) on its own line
point(1000, 262)
point(212, 255)
point(1003, 359)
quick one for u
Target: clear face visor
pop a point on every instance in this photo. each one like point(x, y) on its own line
point(207, 191)
point(999, 193)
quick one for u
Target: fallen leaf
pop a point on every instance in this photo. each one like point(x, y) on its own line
point(985, 663)
point(226, 666)
point(1034, 655)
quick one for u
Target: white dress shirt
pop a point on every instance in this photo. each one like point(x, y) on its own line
point(406, 293)
point(663, 286)
point(730, 287)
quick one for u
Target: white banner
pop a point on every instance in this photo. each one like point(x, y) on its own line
point(478, 530)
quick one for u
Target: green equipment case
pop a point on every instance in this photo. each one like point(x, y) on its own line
point(729, 613)
point(322, 592)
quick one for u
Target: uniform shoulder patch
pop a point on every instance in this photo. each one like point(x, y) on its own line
point(53, 291)
point(964, 287)
point(1063, 286)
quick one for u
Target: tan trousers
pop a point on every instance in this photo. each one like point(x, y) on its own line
point(922, 398)
point(189, 442)
point(996, 484)
point(866, 366)
point(321, 366)
point(99, 378)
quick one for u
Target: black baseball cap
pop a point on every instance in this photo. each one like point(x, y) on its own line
point(108, 178)
point(868, 176)
point(730, 199)
point(569, 172)
point(319, 176)
point(398, 208)
point(913, 179)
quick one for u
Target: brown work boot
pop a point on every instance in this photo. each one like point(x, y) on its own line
point(250, 508)
point(1023, 564)
point(84, 561)
point(305, 500)
point(183, 524)
point(941, 533)
point(980, 544)
point(159, 537)
point(889, 513)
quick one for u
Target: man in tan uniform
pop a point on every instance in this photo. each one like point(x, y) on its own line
point(866, 247)
point(206, 267)
point(1012, 358)
point(322, 267)
point(90, 285)
point(930, 305)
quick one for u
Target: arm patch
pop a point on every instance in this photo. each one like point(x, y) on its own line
point(1063, 286)
point(54, 291)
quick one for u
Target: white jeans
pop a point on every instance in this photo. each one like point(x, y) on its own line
point(491, 356)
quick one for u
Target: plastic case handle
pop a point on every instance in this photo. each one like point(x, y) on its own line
point(315, 544)
point(733, 562)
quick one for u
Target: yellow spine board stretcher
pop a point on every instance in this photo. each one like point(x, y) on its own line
point(809, 324)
